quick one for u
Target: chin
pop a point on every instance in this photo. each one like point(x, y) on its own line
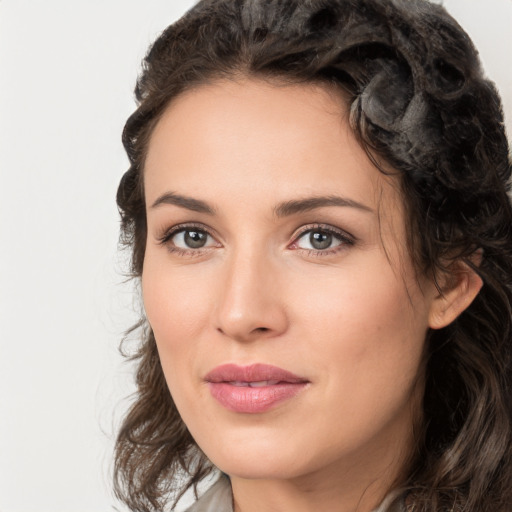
point(257, 467)
point(259, 453)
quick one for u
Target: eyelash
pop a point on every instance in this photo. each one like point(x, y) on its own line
point(345, 239)
point(166, 239)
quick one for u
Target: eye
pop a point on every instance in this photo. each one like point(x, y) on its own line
point(317, 240)
point(322, 240)
point(191, 239)
point(187, 239)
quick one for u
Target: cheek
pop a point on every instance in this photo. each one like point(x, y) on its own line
point(177, 309)
point(369, 337)
point(365, 345)
point(173, 299)
point(369, 306)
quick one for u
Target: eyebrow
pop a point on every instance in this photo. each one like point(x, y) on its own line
point(196, 205)
point(284, 209)
point(311, 203)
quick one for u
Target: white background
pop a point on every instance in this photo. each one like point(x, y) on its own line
point(67, 70)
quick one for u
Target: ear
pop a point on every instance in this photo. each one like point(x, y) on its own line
point(457, 293)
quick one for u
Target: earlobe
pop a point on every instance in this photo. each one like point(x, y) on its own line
point(454, 299)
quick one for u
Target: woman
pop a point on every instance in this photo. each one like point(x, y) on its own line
point(317, 210)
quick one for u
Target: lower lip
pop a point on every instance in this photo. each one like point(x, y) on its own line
point(245, 399)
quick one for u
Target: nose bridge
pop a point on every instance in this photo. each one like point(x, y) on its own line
point(249, 304)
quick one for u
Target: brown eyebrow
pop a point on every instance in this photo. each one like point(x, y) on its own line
point(281, 210)
point(311, 203)
point(196, 205)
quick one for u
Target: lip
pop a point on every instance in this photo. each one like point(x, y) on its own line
point(253, 389)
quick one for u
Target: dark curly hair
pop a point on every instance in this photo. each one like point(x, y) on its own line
point(418, 101)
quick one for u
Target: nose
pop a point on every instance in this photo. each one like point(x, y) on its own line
point(250, 302)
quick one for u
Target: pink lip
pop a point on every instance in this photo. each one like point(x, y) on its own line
point(231, 386)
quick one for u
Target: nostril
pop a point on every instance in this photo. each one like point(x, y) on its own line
point(248, 335)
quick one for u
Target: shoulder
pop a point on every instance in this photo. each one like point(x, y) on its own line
point(217, 498)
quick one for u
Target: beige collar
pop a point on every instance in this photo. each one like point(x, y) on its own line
point(218, 498)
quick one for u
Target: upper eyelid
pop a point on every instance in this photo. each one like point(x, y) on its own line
point(167, 234)
point(323, 227)
point(165, 238)
point(346, 240)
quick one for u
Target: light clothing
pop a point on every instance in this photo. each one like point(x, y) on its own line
point(218, 498)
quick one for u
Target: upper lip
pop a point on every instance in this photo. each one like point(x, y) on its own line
point(253, 373)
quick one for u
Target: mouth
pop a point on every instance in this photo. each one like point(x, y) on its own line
point(257, 384)
point(253, 389)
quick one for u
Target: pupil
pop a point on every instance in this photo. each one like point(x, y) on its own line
point(195, 239)
point(320, 240)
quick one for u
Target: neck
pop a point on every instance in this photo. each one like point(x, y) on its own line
point(351, 489)
point(359, 483)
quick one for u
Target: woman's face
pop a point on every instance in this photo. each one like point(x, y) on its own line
point(288, 317)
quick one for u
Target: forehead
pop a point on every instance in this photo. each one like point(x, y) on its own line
point(239, 137)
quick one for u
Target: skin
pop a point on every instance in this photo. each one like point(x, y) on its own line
point(351, 319)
